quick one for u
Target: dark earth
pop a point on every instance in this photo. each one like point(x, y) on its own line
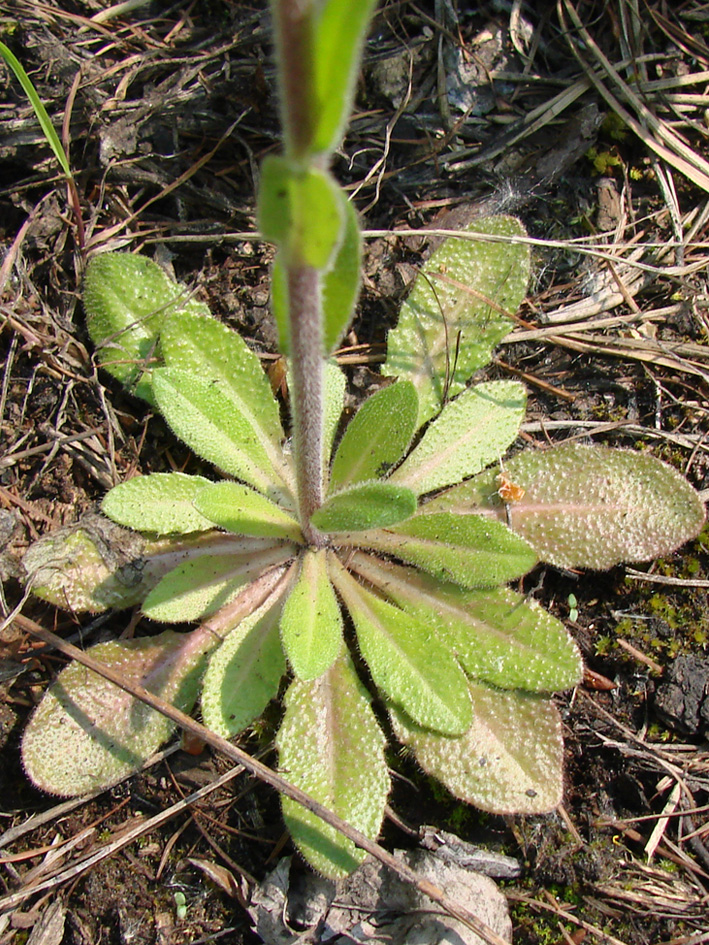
point(168, 109)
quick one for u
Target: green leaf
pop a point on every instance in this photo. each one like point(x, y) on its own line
point(127, 299)
point(160, 503)
point(300, 209)
point(335, 384)
point(202, 585)
point(594, 507)
point(498, 636)
point(471, 432)
point(458, 310)
point(340, 284)
point(205, 347)
point(209, 422)
point(279, 303)
point(245, 672)
point(340, 30)
point(311, 623)
point(366, 505)
point(331, 746)
point(377, 436)
point(407, 661)
point(510, 761)
point(239, 509)
point(87, 733)
point(468, 550)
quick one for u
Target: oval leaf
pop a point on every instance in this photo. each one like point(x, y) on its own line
point(245, 672)
point(497, 635)
point(377, 436)
point(161, 502)
point(311, 623)
point(471, 432)
point(208, 421)
point(510, 761)
point(127, 299)
point(409, 663)
point(594, 507)
point(367, 505)
point(468, 550)
point(458, 310)
point(239, 509)
point(87, 733)
point(331, 746)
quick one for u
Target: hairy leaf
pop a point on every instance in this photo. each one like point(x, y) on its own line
point(365, 505)
point(471, 432)
point(457, 311)
point(301, 211)
point(161, 502)
point(468, 550)
point(127, 300)
point(340, 30)
point(87, 733)
point(496, 634)
point(340, 284)
point(202, 585)
point(245, 672)
point(239, 509)
point(330, 746)
point(377, 436)
point(209, 422)
point(412, 665)
point(510, 759)
point(205, 347)
point(335, 384)
point(593, 507)
point(311, 623)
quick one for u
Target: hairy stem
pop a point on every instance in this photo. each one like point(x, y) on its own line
point(293, 21)
point(307, 398)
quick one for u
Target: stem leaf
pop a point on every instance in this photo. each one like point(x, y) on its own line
point(331, 746)
point(340, 283)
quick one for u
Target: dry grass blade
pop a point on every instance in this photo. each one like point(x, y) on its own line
point(654, 132)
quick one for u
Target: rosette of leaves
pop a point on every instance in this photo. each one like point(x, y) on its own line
point(401, 569)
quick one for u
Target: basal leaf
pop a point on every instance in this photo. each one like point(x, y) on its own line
point(468, 550)
point(458, 310)
point(239, 509)
point(127, 300)
point(510, 759)
point(209, 422)
point(87, 733)
point(365, 505)
point(408, 662)
point(311, 623)
point(593, 507)
point(471, 432)
point(300, 210)
point(340, 284)
point(497, 635)
point(202, 585)
point(245, 672)
point(161, 502)
point(211, 350)
point(331, 746)
point(377, 436)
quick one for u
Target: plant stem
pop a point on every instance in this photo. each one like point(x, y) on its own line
point(307, 396)
point(293, 20)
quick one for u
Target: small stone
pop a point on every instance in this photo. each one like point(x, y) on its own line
point(682, 698)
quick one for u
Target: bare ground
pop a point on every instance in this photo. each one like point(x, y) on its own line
point(168, 109)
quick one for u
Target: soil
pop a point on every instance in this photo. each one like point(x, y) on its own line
point(168, 109)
